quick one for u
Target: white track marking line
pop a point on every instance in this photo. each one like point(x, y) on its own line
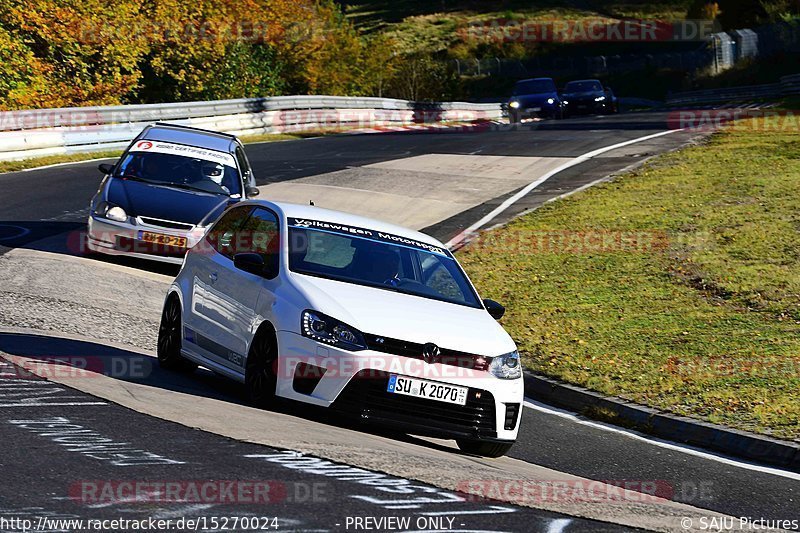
point(689, 450)
point(558, 525)
point(531, 186)
point(22, 232)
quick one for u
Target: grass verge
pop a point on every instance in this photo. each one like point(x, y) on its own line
point(14, 166)
point(675, 286)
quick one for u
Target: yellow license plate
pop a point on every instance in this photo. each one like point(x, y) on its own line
point(167, 240)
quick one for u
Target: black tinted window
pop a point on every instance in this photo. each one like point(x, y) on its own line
point(535, 87)
point(363, 261)
point(180, 171)
point(260, 234)
point(223, 237)
point(583, 87)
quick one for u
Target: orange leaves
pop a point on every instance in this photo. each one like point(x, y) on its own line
point(96, 52)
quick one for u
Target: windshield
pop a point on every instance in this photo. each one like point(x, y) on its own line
point(374, 263)
point(180, 171)
point(583, 87)
point(534, 87)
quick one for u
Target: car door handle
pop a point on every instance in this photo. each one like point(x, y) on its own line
point(213, 277)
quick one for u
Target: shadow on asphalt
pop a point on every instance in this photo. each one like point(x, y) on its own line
point(68, 238)
point(134, 367)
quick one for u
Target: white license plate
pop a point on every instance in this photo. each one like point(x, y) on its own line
point(420, 388)
point(536, 109)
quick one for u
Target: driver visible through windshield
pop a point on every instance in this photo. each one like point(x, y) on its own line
point(406, 266)
point(165, 165)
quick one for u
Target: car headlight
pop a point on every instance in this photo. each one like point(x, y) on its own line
point(550, 101)
point(514, 105)
point(565, 102)
point(506, 366)
point(599, 98)
point(117, 213)
point(111, 212)
point(325, 329)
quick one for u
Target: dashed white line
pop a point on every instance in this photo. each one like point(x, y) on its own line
point(558, 525)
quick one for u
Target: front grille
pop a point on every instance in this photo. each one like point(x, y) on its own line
point(512, 412)
point(413, 350)
point(366, 394)
point(170, 224)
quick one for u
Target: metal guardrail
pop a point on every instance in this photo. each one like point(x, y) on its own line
point(39, 132)
point(788, 85)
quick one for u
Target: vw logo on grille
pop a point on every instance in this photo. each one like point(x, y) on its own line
point(430, 352)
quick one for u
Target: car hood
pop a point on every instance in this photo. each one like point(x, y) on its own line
point(529, 99)
point(143, 199)
point(409, 318)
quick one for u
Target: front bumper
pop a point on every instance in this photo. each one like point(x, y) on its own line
point(587, 107)
point(124, 238)
point(356, 383)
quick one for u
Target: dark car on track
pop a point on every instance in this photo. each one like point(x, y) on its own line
point(171, 182)
point(583, 97)
point(537, 97)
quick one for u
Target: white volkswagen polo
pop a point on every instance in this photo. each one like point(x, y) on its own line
point(346, 312)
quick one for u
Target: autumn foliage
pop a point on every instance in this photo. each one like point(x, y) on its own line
point(57, 53)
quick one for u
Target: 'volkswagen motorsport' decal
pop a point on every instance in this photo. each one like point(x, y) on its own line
point(304, 223)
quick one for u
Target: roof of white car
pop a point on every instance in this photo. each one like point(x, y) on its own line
point(311, 212)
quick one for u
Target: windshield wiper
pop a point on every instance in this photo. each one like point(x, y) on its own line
point(137, 178)
point(190, 188)
point(174, 185)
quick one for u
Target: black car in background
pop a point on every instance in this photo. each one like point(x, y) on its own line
point(536, 97)
point(583, 97)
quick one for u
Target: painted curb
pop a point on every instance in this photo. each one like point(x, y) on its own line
point(728, 441)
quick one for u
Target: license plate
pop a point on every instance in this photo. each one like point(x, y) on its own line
point(167, 240)
point(420, 388)
point(582, 107)
point(536, 109)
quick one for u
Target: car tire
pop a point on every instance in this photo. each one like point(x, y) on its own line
point(260, 376)
point(170, 338)
point(514, 117)
point(484, 449)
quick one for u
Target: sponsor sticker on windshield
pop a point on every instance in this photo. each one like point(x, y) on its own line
point(364, 233)
point(185, 151)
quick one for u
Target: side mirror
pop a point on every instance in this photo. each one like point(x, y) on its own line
point(494, 309)
point(105, 168)
point(252, 191)
point(254, 264)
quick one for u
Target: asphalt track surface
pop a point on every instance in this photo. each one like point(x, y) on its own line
point(46, 203)
point(72, 460)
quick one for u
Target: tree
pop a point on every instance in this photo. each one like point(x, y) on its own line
point(74, 49)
